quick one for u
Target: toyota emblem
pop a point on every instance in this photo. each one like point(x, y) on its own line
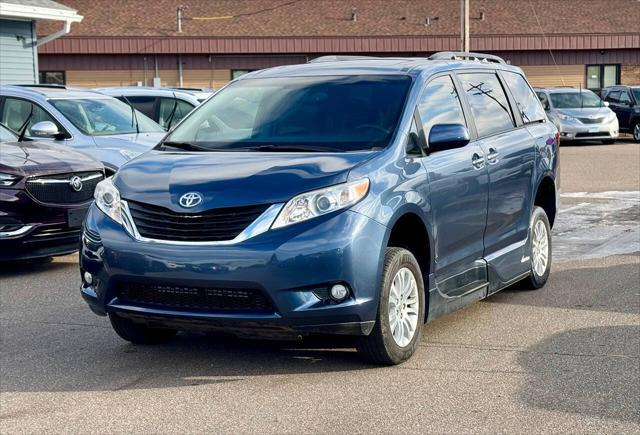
point(76, 183)
point(190, 199)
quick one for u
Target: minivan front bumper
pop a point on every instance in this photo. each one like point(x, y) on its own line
point(291, 267)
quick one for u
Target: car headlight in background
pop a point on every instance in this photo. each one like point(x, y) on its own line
point(7, 180)
point(129, 154)
point(320, 202)
point(566, 117)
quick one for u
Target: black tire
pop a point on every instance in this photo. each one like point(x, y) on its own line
point(138, 333)
point(379, 347)
point(535, 281)
point(609, 141)
point(635, 131)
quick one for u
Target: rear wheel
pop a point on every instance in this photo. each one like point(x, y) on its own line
point(539, 250)
point(636, 132)
point(137, 332)
point(398, 327)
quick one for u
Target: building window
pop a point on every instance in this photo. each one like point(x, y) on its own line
point(235, 73)
point(52, 77)
point(601, 76)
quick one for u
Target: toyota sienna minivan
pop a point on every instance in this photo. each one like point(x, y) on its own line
point(356, 196)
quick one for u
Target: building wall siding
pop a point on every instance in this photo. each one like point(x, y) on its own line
point(191, 78)
point(630, 75)
point(18, 56)
point(551, 75)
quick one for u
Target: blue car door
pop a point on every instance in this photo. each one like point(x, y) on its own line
point(458, 195)
point(510, 151)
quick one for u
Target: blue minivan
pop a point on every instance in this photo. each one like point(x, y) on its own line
point(356, 196)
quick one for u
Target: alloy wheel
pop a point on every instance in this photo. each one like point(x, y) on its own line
point(636, 132)
point(540, 248)
point(403, 307)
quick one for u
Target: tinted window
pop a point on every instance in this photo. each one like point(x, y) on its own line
point(16, 111)
point(103, 116)
point(146, 105)
point(182, 108)
point(488, 103)
point(574, 100)
point(624, 97)
point(526, 101)
point(636, 93)
point(440, 104)
point(341, 113)
point(613, 96)
point(543, 100)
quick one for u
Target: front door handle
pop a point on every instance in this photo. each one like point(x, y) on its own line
point(477, 161)
point(492, 157)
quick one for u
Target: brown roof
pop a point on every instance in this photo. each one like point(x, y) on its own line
point(308, 18)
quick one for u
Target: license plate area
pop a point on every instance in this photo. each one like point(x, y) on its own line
point(75, 217)
point(594, 129)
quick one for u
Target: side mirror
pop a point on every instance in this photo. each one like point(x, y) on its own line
point(606, 104)
point(447, 136)
point(44, 129)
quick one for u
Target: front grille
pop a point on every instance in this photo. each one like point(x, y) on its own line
point(591, 120)
point(215, 225)
point(193, 298)
point(57, 189)
point(597, 134)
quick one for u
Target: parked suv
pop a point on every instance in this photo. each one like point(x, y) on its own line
point(98, 125)
point(45, 191)
point(165, 106)
point(360, 197)
point(579, 115)
point(625, 102)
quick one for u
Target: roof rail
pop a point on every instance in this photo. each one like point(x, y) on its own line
point(333, 58)
point(464, 55)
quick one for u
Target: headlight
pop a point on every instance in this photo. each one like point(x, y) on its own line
point(129, 154)
point(108, 200)
point(319, 202)
point(7, 180)
point(566, 117)
point(611, 116)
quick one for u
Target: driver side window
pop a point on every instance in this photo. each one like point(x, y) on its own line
point(440, 104)
point(15, 112)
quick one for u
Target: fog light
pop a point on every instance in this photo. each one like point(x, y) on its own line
point(339, 292)
point(88, 278)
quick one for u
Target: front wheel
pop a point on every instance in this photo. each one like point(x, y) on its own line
point(539, 249)
point(636, 132)
point(398, 327)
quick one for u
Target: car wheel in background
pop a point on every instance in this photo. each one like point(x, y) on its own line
point(400, 317)
point(539, 250)
point(636, 132)
point(139, 333)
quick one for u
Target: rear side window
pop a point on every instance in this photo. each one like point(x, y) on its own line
point(613, 96)
point(488, 102)
point(440, 104)
point(528, 105)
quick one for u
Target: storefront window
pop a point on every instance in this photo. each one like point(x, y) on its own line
point(52, 77)
point(600, 76)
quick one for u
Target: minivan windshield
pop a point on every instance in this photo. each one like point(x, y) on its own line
point(104, 116)
point(575, 100)
point(328, 113)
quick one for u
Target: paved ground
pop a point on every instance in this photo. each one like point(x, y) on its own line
point(562, 359)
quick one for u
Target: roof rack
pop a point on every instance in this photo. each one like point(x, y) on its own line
point(464, 55)
point(333, 58)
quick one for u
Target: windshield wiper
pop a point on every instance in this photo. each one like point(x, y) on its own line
point(134, 117)
point(187, 146)
point(293, 148)
point(173, 112)
point(23, 127)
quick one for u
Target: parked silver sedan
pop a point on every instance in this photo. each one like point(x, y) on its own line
point(579, 114)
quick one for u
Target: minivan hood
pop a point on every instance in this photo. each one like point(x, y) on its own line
point(587, 111)
point(231, 179)
point(39, 158)
point(136, 142)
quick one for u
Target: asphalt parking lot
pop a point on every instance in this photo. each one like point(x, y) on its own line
point(562, 359)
